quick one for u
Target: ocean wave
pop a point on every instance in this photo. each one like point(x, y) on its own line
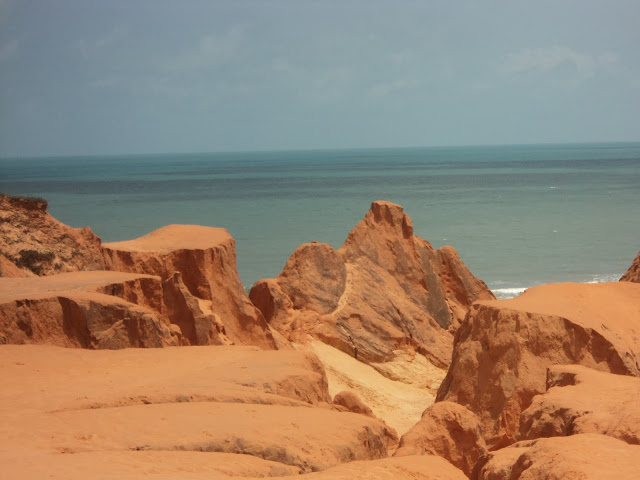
point(607, 277)
point(510, 292)
point(504, 293)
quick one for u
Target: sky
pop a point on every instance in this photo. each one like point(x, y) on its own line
point(96, 77)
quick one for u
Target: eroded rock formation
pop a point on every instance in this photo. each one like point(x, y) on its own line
point(503, 348)
point(385, 290)
point(121, 410)
point(448, 430)
point(584, 457)
point(203, 292)
point(85, 309)
point(582, 400)
point(37, 243)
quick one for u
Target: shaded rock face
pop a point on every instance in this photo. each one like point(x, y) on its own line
point(582, 400)
point(37, 243)
point(633, 274)
point(584, 457)
point(503, 349)
point(448, 430)
point(211, 410)
point(99, 310)
point(203, 293)
point(385, 289)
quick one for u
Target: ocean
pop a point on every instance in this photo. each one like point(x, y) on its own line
point(518, 215)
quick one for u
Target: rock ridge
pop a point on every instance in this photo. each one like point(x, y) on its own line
point(383, 291)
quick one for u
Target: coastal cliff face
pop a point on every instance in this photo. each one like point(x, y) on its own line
point(503, 348)
point(202, 291)
point(373, 324)
point(633, 274)
point(35, 243)
point(384, 291)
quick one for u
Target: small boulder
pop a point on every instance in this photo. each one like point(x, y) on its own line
point(448, 430)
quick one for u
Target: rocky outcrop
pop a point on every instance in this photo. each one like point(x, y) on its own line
point(633, 274)
point(222, 403)
point(37, 243)
point(203, 292)
point(385, 290)
point(503, 348)
point(582, 400)
point(448, 430)
point(85, 309)
point(584, 457)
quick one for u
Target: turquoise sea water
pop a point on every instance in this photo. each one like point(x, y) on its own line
point(518, 215)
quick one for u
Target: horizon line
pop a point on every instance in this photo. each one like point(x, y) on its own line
point(322, 149)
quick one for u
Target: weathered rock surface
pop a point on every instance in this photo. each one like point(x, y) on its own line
point(85, 309)
point(37, 243)
point(177, 405)
point(352, 403)
point(503, 348)
point(399, 403)
point(578, 457)
point(422, 467)
point(633, 274)
point(204, 295)
point(448, 430)
point(384, 290)
point(582, 400)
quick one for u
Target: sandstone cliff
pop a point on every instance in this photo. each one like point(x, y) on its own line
point(383, 292)
point(202, 291)
point(37, 243)
point(633, 274)
point(85, 309)
point(503, 348)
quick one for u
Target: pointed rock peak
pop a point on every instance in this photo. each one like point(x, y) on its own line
point(390, 215)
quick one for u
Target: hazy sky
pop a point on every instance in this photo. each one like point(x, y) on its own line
point(147, 76)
